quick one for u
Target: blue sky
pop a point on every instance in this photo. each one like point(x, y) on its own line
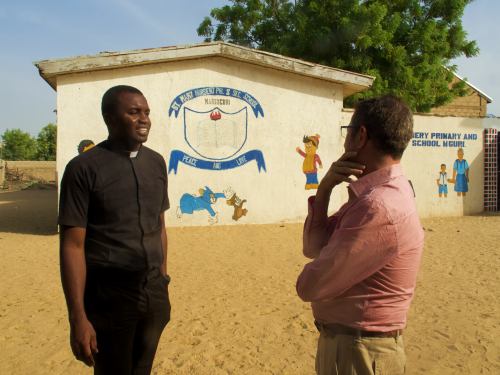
point(35, 30)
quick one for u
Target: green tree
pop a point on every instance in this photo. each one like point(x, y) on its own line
point(252, 23)
point(18, 145)
point(46, 143)
point(408, 45)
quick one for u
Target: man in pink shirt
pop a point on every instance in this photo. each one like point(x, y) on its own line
point(366, 256)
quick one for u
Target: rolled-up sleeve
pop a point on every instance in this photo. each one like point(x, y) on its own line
point(365, 242)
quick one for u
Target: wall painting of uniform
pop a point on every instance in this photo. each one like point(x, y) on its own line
point(311, 160)
point(442, 182)
point(460, 174)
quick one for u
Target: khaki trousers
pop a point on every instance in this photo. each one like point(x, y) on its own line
point(351, 355)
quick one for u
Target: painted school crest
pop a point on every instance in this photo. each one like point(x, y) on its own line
point(215, 134)
point(216, 128)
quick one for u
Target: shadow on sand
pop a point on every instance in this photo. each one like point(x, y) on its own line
point(30, 211)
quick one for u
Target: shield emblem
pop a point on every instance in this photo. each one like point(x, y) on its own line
point(215, 134)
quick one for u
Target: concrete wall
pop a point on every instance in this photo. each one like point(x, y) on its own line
point(34, 170)
point(292, 105)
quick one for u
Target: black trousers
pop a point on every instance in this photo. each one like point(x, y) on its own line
point(129, 311)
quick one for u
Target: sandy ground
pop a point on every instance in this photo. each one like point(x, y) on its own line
point(235, 310)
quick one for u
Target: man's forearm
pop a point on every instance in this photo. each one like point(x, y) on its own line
point(73, 278)
point(322, 202)
point(164, 243)
point(316, 227)
point(165, 247)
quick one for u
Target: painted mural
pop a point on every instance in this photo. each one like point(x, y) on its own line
point(311, 160)
point(460, 178)
point(442, 182)
point(237, 203)
point(442, 140)
point(205, 202)
point(215, 137)
point(460, 174)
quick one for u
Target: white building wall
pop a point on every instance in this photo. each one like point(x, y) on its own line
point(293, 106)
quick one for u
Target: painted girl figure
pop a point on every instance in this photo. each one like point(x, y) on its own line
point(461, 174)
point(311, 159)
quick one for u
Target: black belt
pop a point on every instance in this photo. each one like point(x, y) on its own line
point(333, 329)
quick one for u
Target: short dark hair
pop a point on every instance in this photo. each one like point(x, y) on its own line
point(443, 165)
point(388, 121)
point(110, 98)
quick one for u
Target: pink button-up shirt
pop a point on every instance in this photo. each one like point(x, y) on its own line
point(366, 256)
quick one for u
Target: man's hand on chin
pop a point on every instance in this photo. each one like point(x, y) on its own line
point(341, 171)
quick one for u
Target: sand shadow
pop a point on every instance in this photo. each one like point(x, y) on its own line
point(30, 211)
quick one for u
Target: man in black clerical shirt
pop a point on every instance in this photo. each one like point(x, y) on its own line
point(113, 245)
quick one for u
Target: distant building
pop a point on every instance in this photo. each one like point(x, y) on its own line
point(474, 104)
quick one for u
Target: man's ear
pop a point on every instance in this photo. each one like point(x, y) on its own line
point(361, 137)
point(107, 119)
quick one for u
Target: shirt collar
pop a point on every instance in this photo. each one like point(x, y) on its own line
point(375, 178)
point(106, 144)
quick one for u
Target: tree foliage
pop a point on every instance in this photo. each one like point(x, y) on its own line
point(46, 143)
point(18, 145)
point(408, 45)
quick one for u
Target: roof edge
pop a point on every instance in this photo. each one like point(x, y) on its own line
point(481, 93)
point(50, 69)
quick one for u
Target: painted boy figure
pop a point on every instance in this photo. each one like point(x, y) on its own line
point(442, 182)
point(311, 160)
